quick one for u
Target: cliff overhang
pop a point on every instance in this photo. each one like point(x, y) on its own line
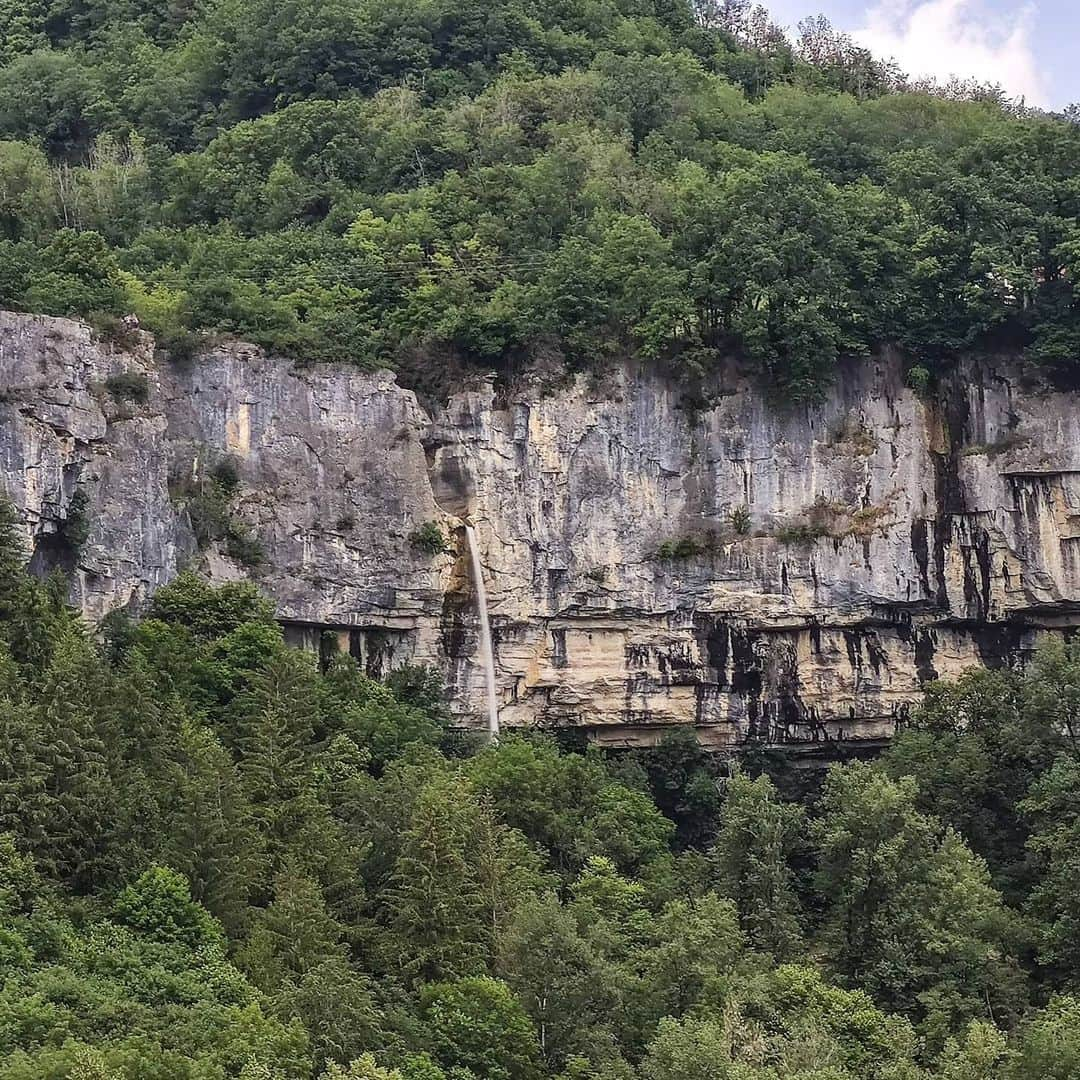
point(786, 575)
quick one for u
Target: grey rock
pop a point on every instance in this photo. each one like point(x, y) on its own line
point(883, 539)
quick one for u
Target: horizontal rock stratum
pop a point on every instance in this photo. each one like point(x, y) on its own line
point(788, 574)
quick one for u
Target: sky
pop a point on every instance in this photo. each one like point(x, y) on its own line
point(1031, 47)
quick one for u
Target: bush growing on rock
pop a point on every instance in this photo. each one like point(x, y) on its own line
point(429, 538)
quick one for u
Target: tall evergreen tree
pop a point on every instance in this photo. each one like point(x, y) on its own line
point(209, 833)
point(757, 835)
point(438, 911)
point(273, 725)
point(82, 803)
point(293, 935)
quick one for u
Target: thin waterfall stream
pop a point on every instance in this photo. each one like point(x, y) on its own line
point(487, 657)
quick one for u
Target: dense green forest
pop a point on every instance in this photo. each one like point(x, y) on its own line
point(221, 857)
point(224, 858)
point(429, 184)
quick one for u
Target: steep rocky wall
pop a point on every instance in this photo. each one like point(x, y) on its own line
point(841, 554)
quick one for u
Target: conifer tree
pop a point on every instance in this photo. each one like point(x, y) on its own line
point(438, 910)
point(25, 617)
point(24, 802)
point(274, 724)
point(506, 871)
point(750, 858)
point(78, 785)
point(208, 833)
point(143, 723)
point(293, 935)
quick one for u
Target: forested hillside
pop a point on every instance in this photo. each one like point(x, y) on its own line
point(225, 859)
point(451, 182)
point(219, 859)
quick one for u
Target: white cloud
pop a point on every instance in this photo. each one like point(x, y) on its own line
point(943, 38)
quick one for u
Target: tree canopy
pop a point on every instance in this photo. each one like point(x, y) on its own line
point(497, 180)
point(221, 857)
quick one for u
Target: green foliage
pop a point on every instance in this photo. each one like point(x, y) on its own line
point(219, 859)
point(209, 612)
point(976, 746)
point(429, 539)
point(157, 1000)
point(27, 198)
point(477, 1025)
point(802, 532)
point(76, 525)
point(688, 1049)
point(751, 858)
point(919, 378)
point(570, 805)
point(487, 182)
point(1049, 1046)
point(128, 386)
point(293, 936)
point(910, 913)
point(686, 547)
point(1050, 808)
point(209, 501)
point(159, 904)
point(683, 783)
point(811, 1024)
point(562, 977)
point(76, 273)
point(384, 720)
point(458, 877)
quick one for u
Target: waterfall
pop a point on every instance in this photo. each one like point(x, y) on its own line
point(486, 656)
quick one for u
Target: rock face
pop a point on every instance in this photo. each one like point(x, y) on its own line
point(785, 574)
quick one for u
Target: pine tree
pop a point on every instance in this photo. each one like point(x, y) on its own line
point(506, 871)
point(12, 559)
point(78, 785)
point(294, 935)
point(750, 860)
point(143, 728)
point(24, 803)
point(274, 725)
point(208, 832)
point(437, 909)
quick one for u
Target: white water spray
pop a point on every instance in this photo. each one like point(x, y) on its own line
point(487, 657)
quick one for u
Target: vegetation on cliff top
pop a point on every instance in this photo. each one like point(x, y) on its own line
point(481, 181)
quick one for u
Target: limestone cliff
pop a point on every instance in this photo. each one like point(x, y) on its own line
point(790, 574)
